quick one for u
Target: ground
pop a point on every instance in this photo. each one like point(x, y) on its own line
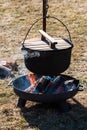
point(15, 19)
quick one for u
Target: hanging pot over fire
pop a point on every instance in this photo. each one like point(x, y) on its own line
point(47, 55)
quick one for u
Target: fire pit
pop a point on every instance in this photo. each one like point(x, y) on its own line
point(48, 57)
point(22, 87)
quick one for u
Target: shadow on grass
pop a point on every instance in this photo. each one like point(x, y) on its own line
point(49, 117)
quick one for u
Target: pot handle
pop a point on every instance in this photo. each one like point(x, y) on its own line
point(80, 88)
point(39, 20)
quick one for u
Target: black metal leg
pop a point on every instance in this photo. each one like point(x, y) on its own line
point(21, 102)
point(64, 106)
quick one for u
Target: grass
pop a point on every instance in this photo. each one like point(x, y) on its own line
point(16, 17)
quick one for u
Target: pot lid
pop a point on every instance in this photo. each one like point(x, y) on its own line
point(38, 44)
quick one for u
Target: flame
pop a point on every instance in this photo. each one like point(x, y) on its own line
point(32, 78)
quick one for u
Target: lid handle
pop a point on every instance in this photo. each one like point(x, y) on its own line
point(51, 40)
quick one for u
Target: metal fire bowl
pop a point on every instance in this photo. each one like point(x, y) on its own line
point(22, 83)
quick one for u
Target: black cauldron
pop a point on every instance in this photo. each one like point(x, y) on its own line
point(41, 59)
point(48, 62)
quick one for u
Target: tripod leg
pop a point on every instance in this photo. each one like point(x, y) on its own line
point(64, 106)
point(21, 102)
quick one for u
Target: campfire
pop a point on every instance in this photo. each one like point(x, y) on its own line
point(46, 58)
point(49, 85)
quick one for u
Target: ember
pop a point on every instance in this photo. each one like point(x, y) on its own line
point(47, 85)
point(32, 78)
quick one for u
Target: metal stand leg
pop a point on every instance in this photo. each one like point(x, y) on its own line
point(64, 106)
point(21, 102)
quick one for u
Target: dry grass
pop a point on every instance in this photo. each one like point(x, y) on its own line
point(15, 18)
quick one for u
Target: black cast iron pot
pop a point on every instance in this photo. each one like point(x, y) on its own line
point(44, 60)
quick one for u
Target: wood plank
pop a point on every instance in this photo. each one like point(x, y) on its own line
point(51, 39)
point(37, 43)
